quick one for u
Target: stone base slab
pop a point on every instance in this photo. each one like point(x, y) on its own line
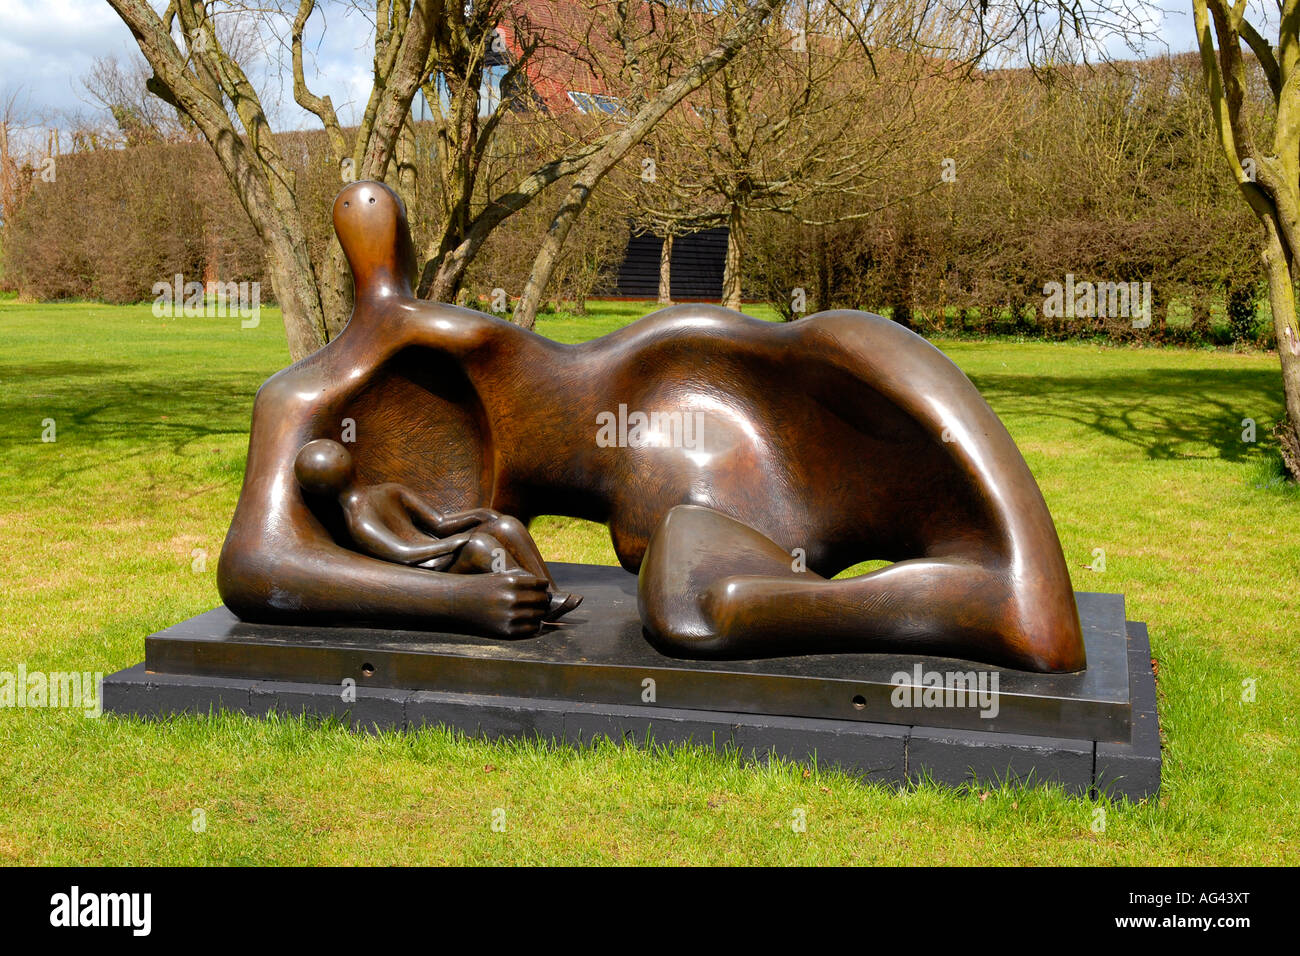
point(886, 753)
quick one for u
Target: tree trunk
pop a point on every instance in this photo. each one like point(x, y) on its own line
point(823, 272)
point(732, 273)
point(1200, 321)
point(295, 290)
point(336, 289)
point(1273, 189)
point(666, 271)
point(901, 310)
point(548, 255)
point(443, 282)
point(1281, 297)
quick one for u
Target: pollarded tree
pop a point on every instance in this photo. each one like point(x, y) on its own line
point(779, 124)
point(820, 120)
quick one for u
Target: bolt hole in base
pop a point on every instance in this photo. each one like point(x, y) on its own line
point(859, 702)
point(367, 670)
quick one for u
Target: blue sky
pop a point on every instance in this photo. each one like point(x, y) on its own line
point(46, 46)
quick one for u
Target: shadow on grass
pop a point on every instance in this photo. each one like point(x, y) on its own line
point(1166, 413)
point(36, 372)
point(122, 411)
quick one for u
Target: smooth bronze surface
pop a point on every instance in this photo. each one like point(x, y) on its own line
point(739, 464)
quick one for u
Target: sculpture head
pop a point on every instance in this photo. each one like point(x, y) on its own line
point(323, 467)
point(370, 220)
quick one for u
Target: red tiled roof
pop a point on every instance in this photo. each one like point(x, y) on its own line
point(573, 39)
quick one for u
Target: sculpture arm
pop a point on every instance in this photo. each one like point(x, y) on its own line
point(279, 564)
point(326, 584)
point(378, 540)
point(463, 520)
point(445, 523)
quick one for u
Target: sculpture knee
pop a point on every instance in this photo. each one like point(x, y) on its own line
point(483, 552)
point(504, 527)
point(1044, 634)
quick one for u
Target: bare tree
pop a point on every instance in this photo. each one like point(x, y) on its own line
point(29, 146)
point(1265, 163)
point(801, 114)
point(437, 46)
point(15, 171)
point(139, 117)
point(649, 94)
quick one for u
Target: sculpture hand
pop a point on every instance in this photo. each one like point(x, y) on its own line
point(510, 604)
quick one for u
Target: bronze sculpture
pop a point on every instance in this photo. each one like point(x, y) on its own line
point(816, 444)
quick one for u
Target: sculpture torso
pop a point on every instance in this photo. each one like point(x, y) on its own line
point(747, 428)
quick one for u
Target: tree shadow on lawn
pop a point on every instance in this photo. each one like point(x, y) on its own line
point(1167, 413)
point(36, 372)
point(108, 409)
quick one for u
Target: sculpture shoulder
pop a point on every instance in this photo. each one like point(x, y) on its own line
point(449, 328)
point(376, 332)
point(302, 383)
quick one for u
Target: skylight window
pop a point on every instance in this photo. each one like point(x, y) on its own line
point(597, 103)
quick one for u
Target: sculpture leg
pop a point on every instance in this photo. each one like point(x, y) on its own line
point(519, 545)
point(711, 586)
point(484, 554)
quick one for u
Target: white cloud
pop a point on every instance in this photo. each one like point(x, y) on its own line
point(46, 46)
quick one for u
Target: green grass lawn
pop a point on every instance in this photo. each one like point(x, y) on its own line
point(113, 531)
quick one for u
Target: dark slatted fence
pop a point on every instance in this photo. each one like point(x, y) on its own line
point(697, 266)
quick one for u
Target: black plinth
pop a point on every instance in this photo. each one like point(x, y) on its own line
point(597, 676)
point(599, 656)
